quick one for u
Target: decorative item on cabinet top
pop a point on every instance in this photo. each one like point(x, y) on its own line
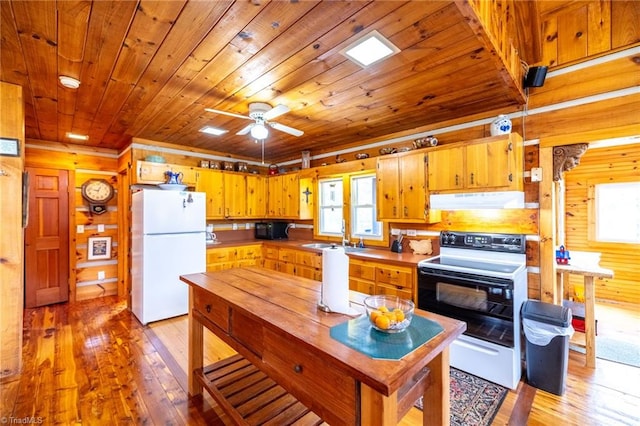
point(501, 125)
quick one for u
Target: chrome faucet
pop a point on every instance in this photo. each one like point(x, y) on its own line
point(345, 237)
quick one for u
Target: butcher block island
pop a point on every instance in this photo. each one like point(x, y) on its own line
point(289, 366)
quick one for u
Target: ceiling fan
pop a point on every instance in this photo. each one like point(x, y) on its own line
point(261, 113)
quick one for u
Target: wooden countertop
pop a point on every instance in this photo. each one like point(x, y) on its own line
point(378, 254)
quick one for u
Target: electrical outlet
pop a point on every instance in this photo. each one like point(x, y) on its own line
point(395, 231)
point(292, 225)
point(234, 226)
point(101, 227)
point(80, 229)
point(411, 232)
point(247, 226)
point(101, 275)
point(536, 174)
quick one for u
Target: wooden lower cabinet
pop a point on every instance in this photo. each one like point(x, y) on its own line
point(382, 278)
point(233, 257)
point(301, 263)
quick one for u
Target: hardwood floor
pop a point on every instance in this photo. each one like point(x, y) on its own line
point(93, 363)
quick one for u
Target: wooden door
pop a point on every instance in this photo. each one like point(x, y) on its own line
point(256, 196)
point(446, 169)
point(235, 195)
point(412, 186)
point(488, 164)
point(211, 183)
point(387, 188)
point(47, 238)
point(291, 195)
point(275, 203)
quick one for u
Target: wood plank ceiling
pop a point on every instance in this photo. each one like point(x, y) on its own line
point(149, 69)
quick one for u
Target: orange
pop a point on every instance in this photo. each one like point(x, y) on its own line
point(383, 322)
point(373, 315)
point(383, 309)
point(399, 315)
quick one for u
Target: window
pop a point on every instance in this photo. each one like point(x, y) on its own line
point(617, 212)
point(348, 203)
point(331, 201)
point(363, 208)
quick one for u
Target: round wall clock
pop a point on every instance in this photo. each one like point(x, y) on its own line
point(97, 192)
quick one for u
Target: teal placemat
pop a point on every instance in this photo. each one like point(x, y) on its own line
point(358, 334)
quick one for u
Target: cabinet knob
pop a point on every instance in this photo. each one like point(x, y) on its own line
point(297, 368)
point(471, 177)
point(208, 308)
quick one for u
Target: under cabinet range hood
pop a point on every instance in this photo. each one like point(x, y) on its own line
point(478, 200)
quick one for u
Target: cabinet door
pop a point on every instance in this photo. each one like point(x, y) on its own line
point(488, 164)
point(446, 169)
point(412, 186)
point(387, 188)
point(291, 195)
point(256, 196)
point(188, 174)
point(149, 172)
point(212, 183)
point(274, 184)
point(235, 195)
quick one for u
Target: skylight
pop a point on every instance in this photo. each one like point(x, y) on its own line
point(370, 49)
point(212, 131)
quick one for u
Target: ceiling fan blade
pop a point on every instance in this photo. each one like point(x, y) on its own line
point(230, 114)
point(246, 129)
point(276, 111)
point(286, 129)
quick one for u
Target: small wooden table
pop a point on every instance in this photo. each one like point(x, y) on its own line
point(271, 319)
point(589, 273)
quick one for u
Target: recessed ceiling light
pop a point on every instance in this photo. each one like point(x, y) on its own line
point(213, 131)
point(370, 49)
point(69, 82)
point(77, 136)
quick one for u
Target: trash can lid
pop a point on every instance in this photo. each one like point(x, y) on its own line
point(546, 313)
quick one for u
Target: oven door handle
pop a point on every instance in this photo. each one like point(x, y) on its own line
point(475, 279)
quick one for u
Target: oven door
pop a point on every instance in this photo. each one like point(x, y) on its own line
point(485, 303)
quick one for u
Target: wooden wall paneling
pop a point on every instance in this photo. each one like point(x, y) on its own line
point(615, 164)
point(547, 231)
point(625, 17)
point(11, 237)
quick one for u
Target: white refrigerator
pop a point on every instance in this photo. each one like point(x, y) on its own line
point(168, 240)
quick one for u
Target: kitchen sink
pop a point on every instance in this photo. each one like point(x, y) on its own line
point(350, 249)
point(317, 245)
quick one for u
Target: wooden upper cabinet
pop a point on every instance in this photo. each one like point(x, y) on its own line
point(211, 182)
point(401, 188)
point(256, 196)
point(284, 197)
point(155, 173)
point(493, 163)
point(235, 195)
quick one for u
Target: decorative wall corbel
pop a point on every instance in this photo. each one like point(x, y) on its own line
point(567, 157)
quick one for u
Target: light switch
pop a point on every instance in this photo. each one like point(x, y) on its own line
point(80, 229)
point(536, 174)
point(101, 227)
point(101, 275)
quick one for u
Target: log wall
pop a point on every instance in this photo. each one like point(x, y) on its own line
point(87, 163)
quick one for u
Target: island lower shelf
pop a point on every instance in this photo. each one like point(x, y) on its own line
point(250, 397)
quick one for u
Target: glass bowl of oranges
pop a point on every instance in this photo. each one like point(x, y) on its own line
point(389, 314)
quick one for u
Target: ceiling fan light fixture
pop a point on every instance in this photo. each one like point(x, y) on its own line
point(259, 131)
point(69, 82)
point(213, 131)
point(370, 49)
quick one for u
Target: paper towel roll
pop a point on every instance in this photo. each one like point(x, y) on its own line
point(335, 280)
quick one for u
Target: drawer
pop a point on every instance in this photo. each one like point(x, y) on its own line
point(248, 252)
point(221, 255)
point(361, 286)
point(327, 391)
point(362, 270)
point(212, 308)
point(395, 275)
point(401, 292)
point(271, 252)
point(247, 330)
point(312, 260)
point(286, 255)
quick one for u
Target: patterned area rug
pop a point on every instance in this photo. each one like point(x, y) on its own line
point(474, 401)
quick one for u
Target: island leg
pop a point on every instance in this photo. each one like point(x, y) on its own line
point(590, 321)
point(436, 401)
point(196, 342)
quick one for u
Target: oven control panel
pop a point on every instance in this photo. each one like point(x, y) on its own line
point(512, 243)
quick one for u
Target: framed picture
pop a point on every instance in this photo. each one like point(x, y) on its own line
point(99, 248)
point(10, 147)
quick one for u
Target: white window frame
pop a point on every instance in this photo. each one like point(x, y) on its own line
point(621, 210)
point(378, 225)
point(329, 204)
